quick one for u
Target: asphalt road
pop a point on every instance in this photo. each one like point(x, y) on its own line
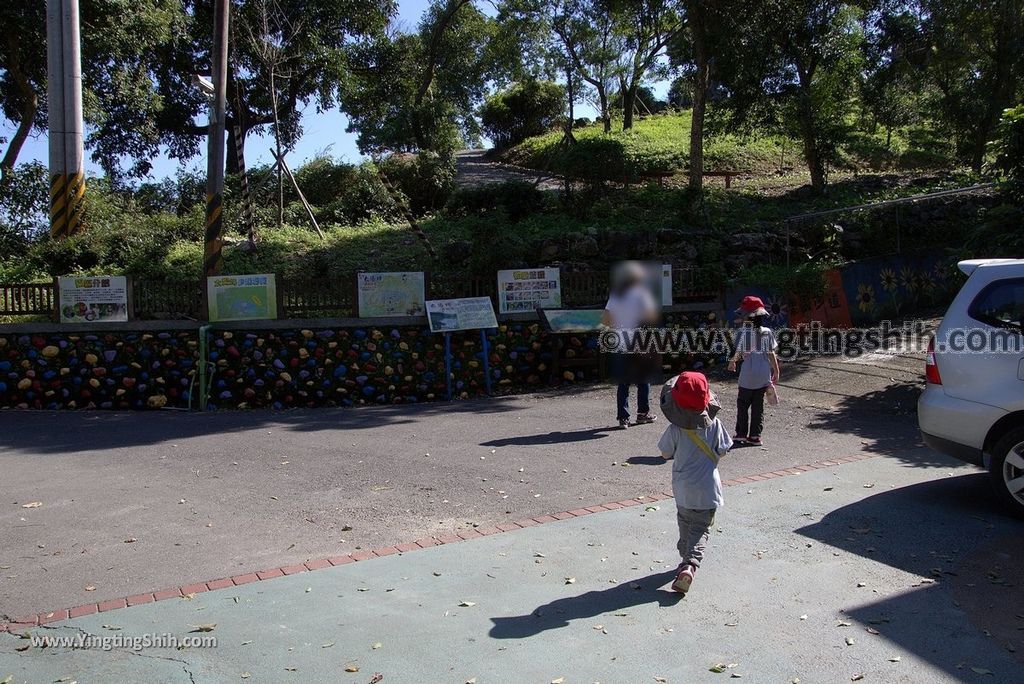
point(134, 502)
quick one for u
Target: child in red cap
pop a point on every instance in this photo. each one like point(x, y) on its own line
point(694, 440)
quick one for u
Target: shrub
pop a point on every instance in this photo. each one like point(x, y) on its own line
point(518, 199)
point(425, 179)
point(526, 109)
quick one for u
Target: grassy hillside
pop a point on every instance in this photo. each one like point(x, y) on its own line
point(660, 143)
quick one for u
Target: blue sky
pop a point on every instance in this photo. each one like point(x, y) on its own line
point(323, 132)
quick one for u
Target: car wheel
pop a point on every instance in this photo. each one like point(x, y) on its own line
point(1007, 470)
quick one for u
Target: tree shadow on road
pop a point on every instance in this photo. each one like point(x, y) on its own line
point(558, 613)
point(943, 532)
point(72, 431)
point(556, 437)
point(886, 422)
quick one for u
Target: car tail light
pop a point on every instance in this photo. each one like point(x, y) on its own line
point(931, 370)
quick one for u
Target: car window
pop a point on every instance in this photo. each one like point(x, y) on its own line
point(1000, 304)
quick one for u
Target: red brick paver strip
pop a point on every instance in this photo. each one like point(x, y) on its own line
point(22, 624)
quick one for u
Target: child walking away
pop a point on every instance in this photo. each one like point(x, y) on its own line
point(755, 348)
point(694, 440)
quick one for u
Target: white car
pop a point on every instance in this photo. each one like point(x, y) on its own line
point(973, 404)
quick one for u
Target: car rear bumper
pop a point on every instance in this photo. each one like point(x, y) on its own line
point(951, 448)
point(952, 426)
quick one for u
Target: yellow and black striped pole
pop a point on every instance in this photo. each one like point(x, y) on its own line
point(212, 257)
point(58, 203)
point(64, 113)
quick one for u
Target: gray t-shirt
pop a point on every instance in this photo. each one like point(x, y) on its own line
point(756, 371)
point(695, 480)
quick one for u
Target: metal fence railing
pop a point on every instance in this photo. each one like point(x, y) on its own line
point(326, 297)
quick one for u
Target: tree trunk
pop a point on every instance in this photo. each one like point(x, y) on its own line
point(28, 115)
point(606, 116)
point(29, 108)
point(628, 105)
point(695, 10)
point(808, 131)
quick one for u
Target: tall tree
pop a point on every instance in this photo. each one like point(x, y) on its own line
point(418, 91)
point(790, 66)
point(120, 102)
point(587, 31)
point(645, 27)
point(977, 63)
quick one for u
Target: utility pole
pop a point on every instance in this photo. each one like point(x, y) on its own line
point(212, 257)
point(65, 127)
point(74, 162)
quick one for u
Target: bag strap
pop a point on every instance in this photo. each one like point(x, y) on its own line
point(692, 434)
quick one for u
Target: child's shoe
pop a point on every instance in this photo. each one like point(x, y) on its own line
point(643, 418)
point(756, 441)
point(683, 579)
point(739, 439)
point(623, 423)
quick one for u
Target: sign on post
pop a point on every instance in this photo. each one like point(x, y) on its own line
point(390, 294)
point(93, 299)
point(472, 313)
point(666, 284)
point(242, 298)
point(525, 289)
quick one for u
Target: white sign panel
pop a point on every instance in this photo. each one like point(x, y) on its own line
point(93, 299)
point(473, 313)
point(390, 294)
point(525, 289)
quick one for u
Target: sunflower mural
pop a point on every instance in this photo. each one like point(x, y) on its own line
point(866, 297)
point(889, 280)
point(907, 279)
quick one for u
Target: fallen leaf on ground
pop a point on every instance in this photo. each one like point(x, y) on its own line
point(112, 628)
point(803, 617)
point(246, 675)
point(376, 646)
point(660, 679)
point(560, 680)
point(842, 623)
point(653, 508)
point(894, 659)
point(850, 641)
point(871, 630)
point(570, 580)
point(856, 677)
point(246, 643)
point(351, 668)
point(90, 588)
point(981, 670)
point(466, 604)
point(32, 504)
point(205, 628)
point(327, 645)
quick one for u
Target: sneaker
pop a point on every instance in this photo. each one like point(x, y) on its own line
point(683, 579)
point(623, 423)
point(756, 441)
point(642, 418)
point(739, 439)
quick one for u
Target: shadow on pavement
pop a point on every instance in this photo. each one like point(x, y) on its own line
point(558, 613)
point(556, 437)
point(646, 460)
point(886, 422)
point(951, 533)
point(71, 431)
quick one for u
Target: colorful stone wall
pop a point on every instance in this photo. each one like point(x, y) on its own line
point(291, 368)
point(111, 370)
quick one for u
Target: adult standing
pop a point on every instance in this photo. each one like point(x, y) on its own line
point(756, 348)
point(631, 306)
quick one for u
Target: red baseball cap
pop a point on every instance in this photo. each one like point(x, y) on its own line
point(751, 303)
point(691, 391)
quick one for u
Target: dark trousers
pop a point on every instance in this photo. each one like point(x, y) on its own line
point(643, 400)
point(751, 400)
